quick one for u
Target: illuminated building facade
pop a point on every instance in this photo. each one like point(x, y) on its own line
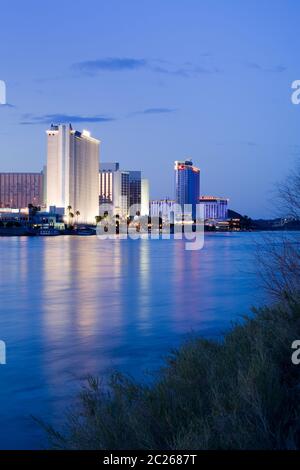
point(114, 188)
point(17, 190)
point(73, 171)
point(214, 207)
point(135, 189)
point(187, 185)
point(145, 196)
point(163, 208)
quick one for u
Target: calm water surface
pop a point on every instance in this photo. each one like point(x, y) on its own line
point(73, 306)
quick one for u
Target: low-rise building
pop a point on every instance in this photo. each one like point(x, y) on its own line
point(166, 209)
point(215, 208)
point(17, 190)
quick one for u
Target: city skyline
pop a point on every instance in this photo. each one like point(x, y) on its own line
point(159, 89)
point(68, 181)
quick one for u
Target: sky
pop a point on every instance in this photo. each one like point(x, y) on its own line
point(158, 81)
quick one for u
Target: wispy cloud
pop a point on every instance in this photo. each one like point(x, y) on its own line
point(274, 69)
point(29, 119)
point(151, 111)
point(186, 71)
point(109, 64)
point(159, 66)
point(156, 111)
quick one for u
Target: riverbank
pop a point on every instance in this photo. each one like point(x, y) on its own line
point(23, 231)
point(239, 393)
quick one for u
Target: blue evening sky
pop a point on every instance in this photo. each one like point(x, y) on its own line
point(158, 81)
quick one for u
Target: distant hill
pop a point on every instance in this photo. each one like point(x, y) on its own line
point(264, 224)
point(245, 221)
point(234, 215)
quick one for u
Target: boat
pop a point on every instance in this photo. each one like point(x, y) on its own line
point(48, 232)
point(85, 232)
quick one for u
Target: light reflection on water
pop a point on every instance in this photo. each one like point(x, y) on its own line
point(73, 306)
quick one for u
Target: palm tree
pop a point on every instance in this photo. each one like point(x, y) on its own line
point(69, 214)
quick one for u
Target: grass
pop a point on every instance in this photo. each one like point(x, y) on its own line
point(241, 393)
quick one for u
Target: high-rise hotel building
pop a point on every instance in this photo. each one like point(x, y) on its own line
point(187, 185)
point(126, 191)
point(114, 188)
point(73, 171)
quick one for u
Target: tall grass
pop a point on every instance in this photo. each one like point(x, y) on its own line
point(241, 393)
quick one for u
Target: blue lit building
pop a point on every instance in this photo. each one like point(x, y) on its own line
point(215, 208)
point(187, 184)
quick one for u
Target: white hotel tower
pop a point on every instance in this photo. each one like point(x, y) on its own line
point(73, 171)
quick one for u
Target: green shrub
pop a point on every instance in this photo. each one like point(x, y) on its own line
point(240, 393)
